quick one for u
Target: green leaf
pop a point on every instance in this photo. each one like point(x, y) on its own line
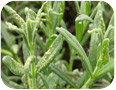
point(63, 24)
point(79, 30)
point(77, 6)
point(62, 8)
point(112, 20)
point(105, 50)
point(9, 83)
point(85, 7)
point(105, 69)
point(80, 22)
point(44, 29)
point(105, 53)
point(13, 13)
point(56, 8)
point(40, 43)
point(91, 16)
point(111, 53)
point(83, 17)
point(77, 47)
point(109, 32)
point(86, 37)
point(83, 79)
point(96, 18)
point(14, 66)
point(28, 62)
point(111, 43)
point(14, 28)
point(92, 50)
point(50, 54)
point(52, 80)
point(9, 38)
point(51, 39)
point(6, 52)
point(99, 47)
point(44, 80)
point(30, 14)
point(29, 30)
point(25, 51)
point(88, 7)
point(101, 21)
point(62, 75)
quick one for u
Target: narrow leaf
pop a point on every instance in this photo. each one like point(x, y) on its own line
point(105, 53)
point(62, 9)
point(86, 37)
point(14, 28)
point(105, 69)
point(63, 24)
point(30, 13)
point(77, 47)
point(77, 6)
point(44, 81)
point(9, 38)
point(85, 7)
point(105, 50)
point(80, 25)
point(40, 43)
point(29, 30)
point(109, 32)
point(79, 30)
point(83, 79)
point(101, 21)
point(93, 49)
point(50, 54)
point(9, 83)
point(112, 20)
point(62, 75)
point(14, 66)
point(56, 8)
point(13, 13)
point(44, 29)
point(52, 80)
point(25, 51)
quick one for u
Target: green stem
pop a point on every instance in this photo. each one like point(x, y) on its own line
point(71, 64)
point(33, 73)
point(33, 76)
point(91, 79)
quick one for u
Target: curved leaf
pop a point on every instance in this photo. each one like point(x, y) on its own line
point(14, 66)
point(83, 17)
point(14, 28)
point(50, 54)
point(12, 12)
point(77, 47)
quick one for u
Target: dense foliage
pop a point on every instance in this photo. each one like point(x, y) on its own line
point(35, 41)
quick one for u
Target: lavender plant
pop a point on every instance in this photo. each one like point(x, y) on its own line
point(49, 70)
